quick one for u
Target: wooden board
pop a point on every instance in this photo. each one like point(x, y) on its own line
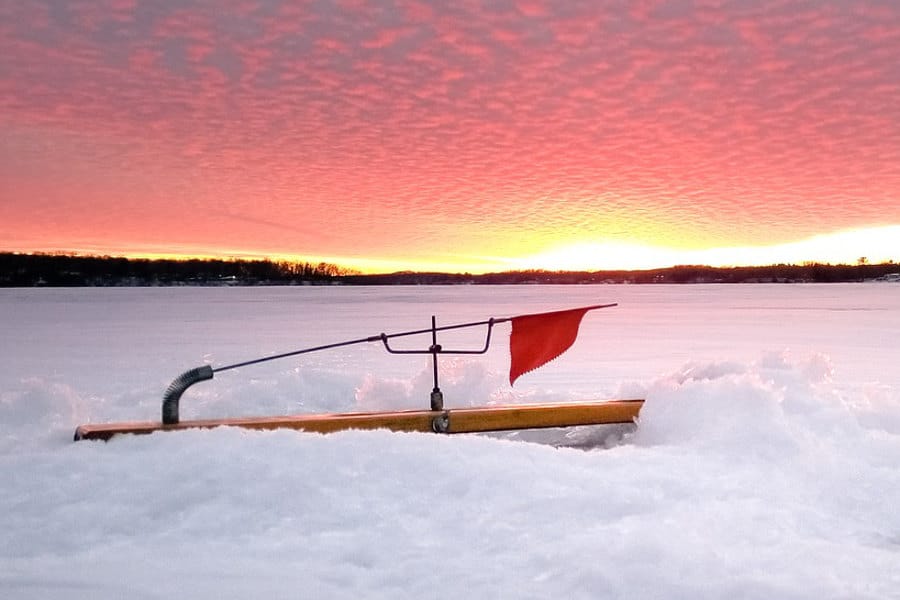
point(454, 420)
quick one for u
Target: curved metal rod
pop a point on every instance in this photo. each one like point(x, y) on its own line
point(177, 388)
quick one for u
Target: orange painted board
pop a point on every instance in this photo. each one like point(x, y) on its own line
point(459, 420)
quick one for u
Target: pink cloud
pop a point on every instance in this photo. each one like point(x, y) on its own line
point(384, 38)
point(417, 12)
point(531, 8)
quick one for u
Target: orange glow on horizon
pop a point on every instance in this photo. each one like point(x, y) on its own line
point(877, 245)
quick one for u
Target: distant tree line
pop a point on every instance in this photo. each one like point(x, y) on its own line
point(782, 273)
point(28, 270)
point(805, 273)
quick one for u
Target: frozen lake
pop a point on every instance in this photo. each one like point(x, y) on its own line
point(766, 463)
point(125, 344)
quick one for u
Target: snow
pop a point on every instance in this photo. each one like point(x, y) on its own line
point(766, 462)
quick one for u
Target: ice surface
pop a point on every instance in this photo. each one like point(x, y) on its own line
point(766, 463)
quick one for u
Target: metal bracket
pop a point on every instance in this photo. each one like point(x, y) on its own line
point(437, 397)
point(441, 423)
point(436, 348)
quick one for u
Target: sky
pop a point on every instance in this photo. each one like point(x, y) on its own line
point(414, 135)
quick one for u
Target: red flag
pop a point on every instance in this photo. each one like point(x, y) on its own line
point(537, 339)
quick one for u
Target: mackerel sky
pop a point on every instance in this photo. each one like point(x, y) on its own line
point(461, 135)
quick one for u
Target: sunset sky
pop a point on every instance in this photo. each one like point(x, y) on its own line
point(394, 135)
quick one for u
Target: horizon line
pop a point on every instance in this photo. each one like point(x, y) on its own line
point(350, 272)
point(876, 244)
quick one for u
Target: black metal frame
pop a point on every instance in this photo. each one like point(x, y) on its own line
point(172, 395)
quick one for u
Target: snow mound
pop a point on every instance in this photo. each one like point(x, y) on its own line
point(758, 479)
point(769, 407)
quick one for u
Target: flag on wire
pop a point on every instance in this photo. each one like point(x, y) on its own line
point(537, 339)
